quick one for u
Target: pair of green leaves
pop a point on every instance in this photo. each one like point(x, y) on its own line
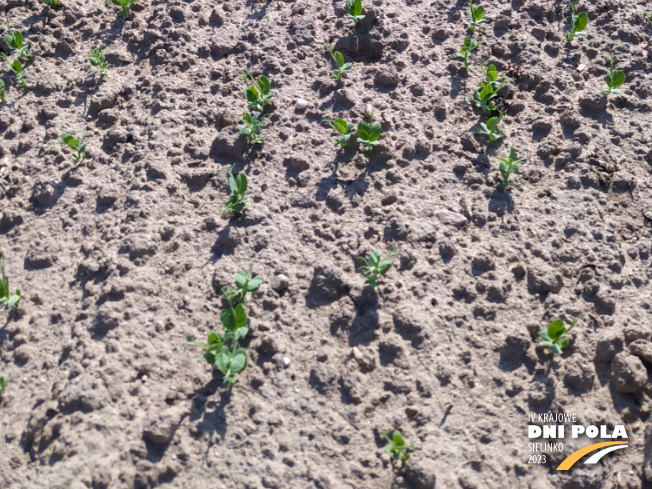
point(509, 165)
point(97, 59)
point(578, 23)
point(17, 67)
point(125, 6)
point(251, 127)
point(553, 337)
point(368, 132)
point(376, 265)
point(483, 99)
point(257, 92)
point(494, 79)
point(342, 67)
point(614, 79)
point(345, 129)
point(489, 128)
point(6, 300)
point(397, 447)
point(52, 3)
point(464, 52)
point(476, 14)
point(238, 200)
point(78, 145)
point(14, 40)
point(354, 9)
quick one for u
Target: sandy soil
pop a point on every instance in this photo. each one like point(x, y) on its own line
point(119, 258)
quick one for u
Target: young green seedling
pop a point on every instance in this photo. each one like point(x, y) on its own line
point(354, 8)
point(495, 80)
point(464, 52)
point(345, 129)
point(376, 266)
point(578, 23)
point(125, 5)
point(3, 384)
point(97, 59)
point(489, 128)
point(257, 92)
point(397, 447)
point(368, 132)
point(52, 3)
point(17, 68)
point(238, 185)
point(231, 360)
point(553, 337)
point(2, 92)
point(342, 67)
point(476, 14)
point(251, 127)
point(483, 99)
point(647, 16)
point(509, 165)
point(78, 145)
point(614, 79)
point(15, 41)
point(6, 300)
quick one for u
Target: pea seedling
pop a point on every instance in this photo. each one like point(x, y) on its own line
point(238, 185)
point(397, 447)
point(125, 5)
point(17, 68)
point(52, 3)
point(7, 301)
point(2, 91)
point(476, 14)
point(464, 52)
point(578, 23)
point(97, 59)
point(354, 8)
point(15, 41)
point(483, 99)
point(342, 67)
point(647, 16)
point(368, 132)
point(553, 337)
point(376, 266)
point(231, 360)
point(3, 384)
point(489, 128)
point(344, 128)
point(614, 79)
point(496, 81)
point(258, 93)
point(509, 165)
point(251, 127)
point(78, 145)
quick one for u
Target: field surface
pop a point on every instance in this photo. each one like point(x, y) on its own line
point(121, 257)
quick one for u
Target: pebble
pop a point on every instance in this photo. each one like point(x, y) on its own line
point(301, 104)
point(286, 362)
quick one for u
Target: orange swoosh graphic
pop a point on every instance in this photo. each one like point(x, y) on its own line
point(575, 456)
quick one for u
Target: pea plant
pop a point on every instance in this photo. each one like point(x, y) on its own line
point(397, 447)
point(251, 127)
point(578, 23)
point(7, 300)
point(238, 200)
point(508, 165)
point(494, 79)
point(376, 265)
point(368, 132)
point(224, 351)
point(76, 144)
point(54, 4)
point(3, 384)
point(354, 9)
point(647, 16)
point(482, 99)
point(554, 336)
point(476, 14)
point(489, 128)
point(97, 59)
point(345, 129)
point(124, 5)
point(14, 40)
point(257, 92)
point(464, 52)
point(17, 68)
point(2, 92)
point(614, 79)
point(342, 67)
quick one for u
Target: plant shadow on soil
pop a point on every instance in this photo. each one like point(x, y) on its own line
point(211, 413)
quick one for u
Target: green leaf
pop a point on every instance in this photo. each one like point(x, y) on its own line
point(209, 357)
point(241, 279)
point(555, 349)
point(16, 66)
point(545, 336)
point(213, 338)
point(398, 439)
point(242, 332)
point(18, 40)
point(478, 12)
point(239, 361)
point(618, 79)
point(564, 342)
point(251, 94)
point(556, 329)
point(486, 92)
point(70, 140)
point(340, 125)
point(241, 183)
point(228, 319)
point(254, 283)
point(384, 267)
point(264, 85)
point(581, 21)
point(240, 316)
point(223, 360)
